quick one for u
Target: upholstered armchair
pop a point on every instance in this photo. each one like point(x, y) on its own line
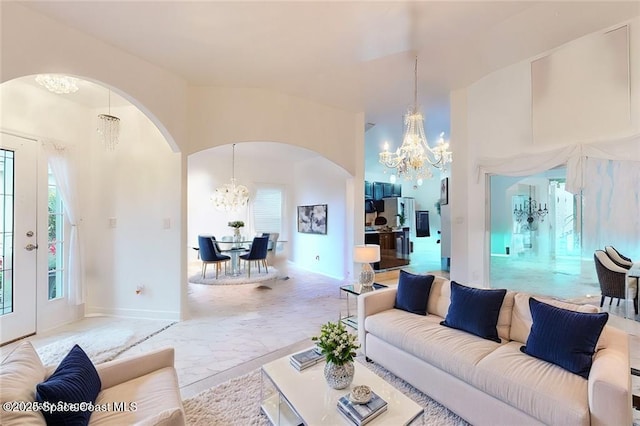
point(613, 280)
point(210, 253)
point(257, 253)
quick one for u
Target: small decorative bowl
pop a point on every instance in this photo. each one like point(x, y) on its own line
point(360, 394)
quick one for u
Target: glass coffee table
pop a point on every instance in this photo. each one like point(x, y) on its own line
point(356, 290)
point(292, 397)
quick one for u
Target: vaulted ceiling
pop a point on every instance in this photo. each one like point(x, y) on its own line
point(352, 55)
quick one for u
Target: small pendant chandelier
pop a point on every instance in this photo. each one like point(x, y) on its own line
point(412, 158)
point(231, 196)
point(109, 128)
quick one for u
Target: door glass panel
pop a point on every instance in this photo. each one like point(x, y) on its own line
point(6, 241)
point(55, 243)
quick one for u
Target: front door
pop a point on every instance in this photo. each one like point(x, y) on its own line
point(18, 238)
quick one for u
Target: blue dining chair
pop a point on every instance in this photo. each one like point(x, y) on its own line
point(257, 253)
point(210, 253)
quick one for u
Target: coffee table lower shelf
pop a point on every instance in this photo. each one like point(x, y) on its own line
point(279, 412)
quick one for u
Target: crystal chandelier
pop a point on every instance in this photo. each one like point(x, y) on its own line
point(230, 196)
point(109, 128)
point(60, 84)
point(530, 211)
point(412, 158)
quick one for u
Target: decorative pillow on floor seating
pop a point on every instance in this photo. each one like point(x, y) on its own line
point(75, 381)
point(413, 292)
point(475, 310)
point(563, 337)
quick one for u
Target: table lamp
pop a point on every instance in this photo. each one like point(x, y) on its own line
point(366, 254)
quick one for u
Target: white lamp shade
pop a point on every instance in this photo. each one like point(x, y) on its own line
point(367, 253)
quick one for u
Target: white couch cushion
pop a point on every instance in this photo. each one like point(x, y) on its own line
point(539, 388)
point(152, 393)
point(451, 350)
point(20, 372)
point(521, 319)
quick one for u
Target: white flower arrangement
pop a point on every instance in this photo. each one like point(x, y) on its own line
point(336, 343)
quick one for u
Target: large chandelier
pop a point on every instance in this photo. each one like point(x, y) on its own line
point(109, 128)
point(231, 196)
point(60, 84)
point(530, 211)
point(412, 159)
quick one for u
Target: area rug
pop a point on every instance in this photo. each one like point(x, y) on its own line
point(237, 402)
point(256, 277)
point(101, 344)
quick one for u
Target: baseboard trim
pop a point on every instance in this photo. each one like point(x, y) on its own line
point(93, 311)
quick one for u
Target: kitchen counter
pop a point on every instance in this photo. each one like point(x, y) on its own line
point(394, 247)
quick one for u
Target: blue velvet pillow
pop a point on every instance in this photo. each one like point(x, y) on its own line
point(475, 310)
point(563, 337)
point(413, 292)
point(75, 380)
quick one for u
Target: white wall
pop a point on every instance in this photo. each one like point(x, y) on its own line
point(138, 184)
point(322, 182)
point(219, 116)
point(492, 119)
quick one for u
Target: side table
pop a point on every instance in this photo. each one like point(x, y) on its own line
point(356, 290)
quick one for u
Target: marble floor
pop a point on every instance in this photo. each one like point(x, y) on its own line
point(235, 329)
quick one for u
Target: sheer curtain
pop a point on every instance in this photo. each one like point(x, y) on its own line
point(60, 161)
point(611, 197)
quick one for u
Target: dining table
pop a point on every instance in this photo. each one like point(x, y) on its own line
point(234, 249)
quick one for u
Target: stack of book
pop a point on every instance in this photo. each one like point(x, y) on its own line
point(361, 414)
point(306, 359)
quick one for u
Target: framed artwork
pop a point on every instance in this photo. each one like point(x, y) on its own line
point(312, 219)
point(444, 191)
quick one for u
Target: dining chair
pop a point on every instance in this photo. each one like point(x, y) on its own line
point(257, 253)
point(618, 258)
point(614, 281)
point(210, 253)
point(272, 246)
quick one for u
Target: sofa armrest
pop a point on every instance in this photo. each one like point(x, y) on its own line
point(119, 371)
point(372, 303)
point(610, 382)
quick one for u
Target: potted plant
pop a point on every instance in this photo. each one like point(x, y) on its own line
point(339, 348)
point(236, 225)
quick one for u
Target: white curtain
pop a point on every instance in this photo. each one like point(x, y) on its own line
point(60, 161)
point(612, 206)
point(574, 156)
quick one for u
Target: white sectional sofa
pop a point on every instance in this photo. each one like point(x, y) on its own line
point(490, 383)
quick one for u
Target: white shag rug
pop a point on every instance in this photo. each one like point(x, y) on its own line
point(101, 344)
point(256, 277)
point(237, 402)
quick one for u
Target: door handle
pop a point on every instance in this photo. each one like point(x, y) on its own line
point(31, 247)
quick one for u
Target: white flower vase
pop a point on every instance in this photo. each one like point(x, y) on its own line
point(339, 376)
point(236, 235)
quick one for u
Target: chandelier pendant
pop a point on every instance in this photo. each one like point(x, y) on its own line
point(231, 196)
point(109, 128)
point(59, 84)
point(413, 158)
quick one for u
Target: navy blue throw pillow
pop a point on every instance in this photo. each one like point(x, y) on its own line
point(413, 292)
point(475, 310)
point(74, 381)
point(563, 337)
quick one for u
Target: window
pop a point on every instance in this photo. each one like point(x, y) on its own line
point(267, 209)
point(55, 242)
